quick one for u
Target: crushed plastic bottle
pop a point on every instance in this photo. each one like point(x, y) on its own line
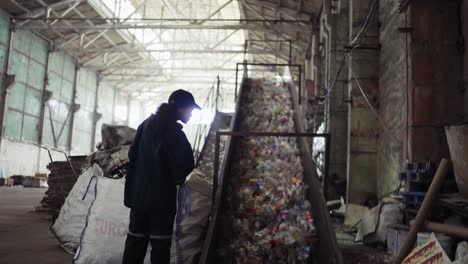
point(273, 222)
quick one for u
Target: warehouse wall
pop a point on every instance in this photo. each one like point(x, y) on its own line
point(392, 89)
point(64, 122)
point(437, 94)
point(414, 80)
point(334, 36)
point(363, 125)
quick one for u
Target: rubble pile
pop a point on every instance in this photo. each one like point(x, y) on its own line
point(270, 216)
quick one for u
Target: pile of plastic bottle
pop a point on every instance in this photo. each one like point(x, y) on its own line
point(272, 220)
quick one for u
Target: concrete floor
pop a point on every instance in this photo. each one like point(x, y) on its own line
point(24, 234)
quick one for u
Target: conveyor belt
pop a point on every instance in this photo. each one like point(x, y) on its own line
point(325, 249)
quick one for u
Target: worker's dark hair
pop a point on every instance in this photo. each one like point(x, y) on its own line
point(166, 115)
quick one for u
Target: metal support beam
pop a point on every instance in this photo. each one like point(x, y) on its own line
point(143, 50)
point(68, 10)
point(216, 11)
point(45, 96)
point(96, 116)
point(165, 82)
point(278, 28)
point(157, 68)
point(224, 39)
point(287, 12)
point(42, 11)
point(74, 107)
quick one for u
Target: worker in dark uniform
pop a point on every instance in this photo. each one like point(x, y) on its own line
point(159, 159)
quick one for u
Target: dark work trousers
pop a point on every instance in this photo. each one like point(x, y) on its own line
point(149, 227)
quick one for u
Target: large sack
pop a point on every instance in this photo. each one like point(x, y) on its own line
point(192, 226)
point(71, 220)
point(103, 237)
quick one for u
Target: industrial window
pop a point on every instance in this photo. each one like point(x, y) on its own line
point(84, 118)
point(106, 98)
point(4, 38)
point(27, 62)
point(61, 76)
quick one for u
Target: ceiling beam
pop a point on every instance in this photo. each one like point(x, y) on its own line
point(153, 67)
point(216, 11)
point(143, 50)
point(136, 81)
point(43, 10)
point(234, 26)
point(287, 12)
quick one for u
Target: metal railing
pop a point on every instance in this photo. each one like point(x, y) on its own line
point(212, 103)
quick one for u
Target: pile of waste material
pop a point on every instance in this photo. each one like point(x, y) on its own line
point(112, 153)
point(270, 216)
point(61, 179)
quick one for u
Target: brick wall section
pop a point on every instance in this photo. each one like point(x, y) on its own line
point(392, 90)
point(437, 96)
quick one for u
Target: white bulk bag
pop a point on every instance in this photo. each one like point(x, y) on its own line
point(71, 220)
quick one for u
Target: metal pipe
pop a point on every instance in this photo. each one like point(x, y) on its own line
point(451, 230)
point(431, 194)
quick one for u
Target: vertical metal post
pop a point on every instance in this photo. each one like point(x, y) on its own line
point(326, 176)
point(290, 51)
point(44, 98)
point(216, 165)
point(235, 89)
point(245, 49)
point(113, 105)
point(300, 84)
point(95, 114)
point(217, 95)
point(73, 108)
point(129, 100)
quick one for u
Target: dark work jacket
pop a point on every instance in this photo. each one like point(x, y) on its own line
point(157, 163)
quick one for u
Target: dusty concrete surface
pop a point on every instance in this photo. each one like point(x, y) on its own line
point(24, 234)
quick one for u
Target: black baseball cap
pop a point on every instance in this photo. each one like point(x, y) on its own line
point(183, 98)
